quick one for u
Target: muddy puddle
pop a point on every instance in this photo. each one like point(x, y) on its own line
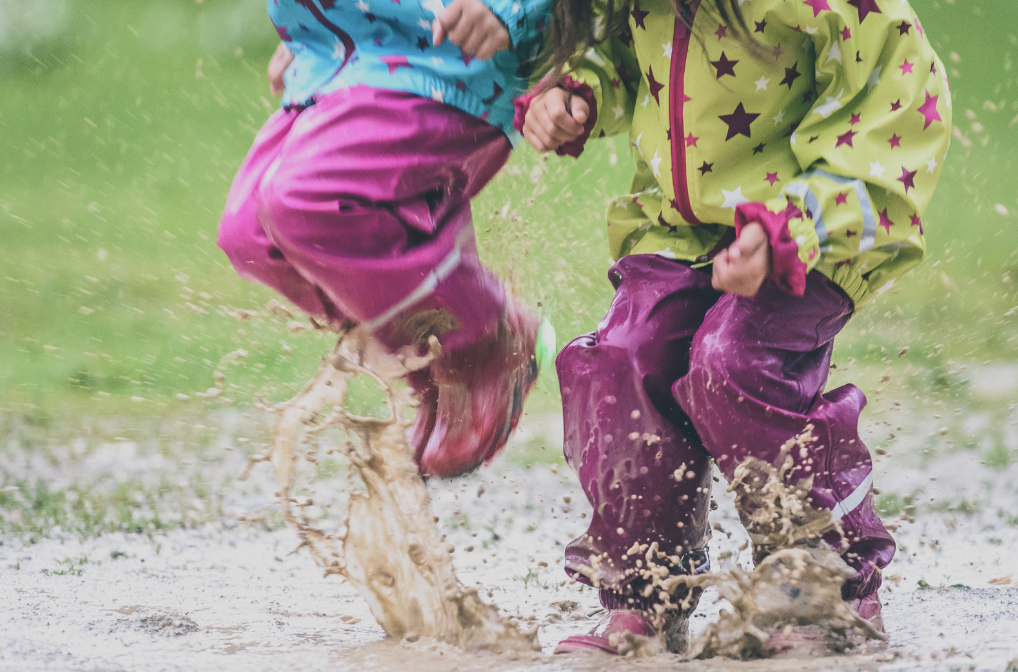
point(236, 597)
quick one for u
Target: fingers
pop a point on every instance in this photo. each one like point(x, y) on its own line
point(752, 239)
point(579, 109)
point(472, 27)
point(742, 268)
point(278, 64)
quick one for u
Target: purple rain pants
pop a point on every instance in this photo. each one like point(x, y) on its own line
point(358, 208)
point(678, 373)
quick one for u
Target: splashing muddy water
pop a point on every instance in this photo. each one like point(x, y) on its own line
point(792, 597)
point(388, 546)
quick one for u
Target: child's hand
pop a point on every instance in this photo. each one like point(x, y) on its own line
point(742, 267)
point(278, 64)
point(472, 27)
point(555, 117)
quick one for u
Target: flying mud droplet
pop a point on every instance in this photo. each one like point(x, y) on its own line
point(388, 546)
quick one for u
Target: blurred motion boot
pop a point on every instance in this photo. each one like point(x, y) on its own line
point(480, 393)
point(604, 638)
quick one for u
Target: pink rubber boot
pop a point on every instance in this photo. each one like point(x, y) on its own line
point(481, 390)
point(618, 622)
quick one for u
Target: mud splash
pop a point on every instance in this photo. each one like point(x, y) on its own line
point(388, 547)
point(791, 601)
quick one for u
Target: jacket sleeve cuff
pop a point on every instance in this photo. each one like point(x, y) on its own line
point(574, 148)
point(788, 271)
point(514, 17)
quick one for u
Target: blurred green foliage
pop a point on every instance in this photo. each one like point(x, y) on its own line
point(123, 121)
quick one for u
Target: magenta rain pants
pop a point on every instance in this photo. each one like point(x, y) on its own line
point(678, 373)
point(358, 208)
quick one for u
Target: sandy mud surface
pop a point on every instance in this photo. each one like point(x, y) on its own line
point(229, 595)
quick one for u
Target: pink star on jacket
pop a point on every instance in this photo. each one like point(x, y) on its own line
point(865, 8)
point(691, 140)
point(846, 139)
point(722, 31)
point(918, 222)
point(906, 68)
point(929, 110)
point(846, 34)
point(841, 199)
point(817, 6)
point(885, 221)
point(283, 34)
point(856, 118)
point(772, 178)
point(895, 106)
point(395, 62)
point(895, 141)
point(907, 178)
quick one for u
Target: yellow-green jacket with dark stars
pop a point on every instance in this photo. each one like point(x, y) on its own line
point(833, 139)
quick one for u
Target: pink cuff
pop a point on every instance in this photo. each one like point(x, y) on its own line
point(787, 271)
point(574, 148)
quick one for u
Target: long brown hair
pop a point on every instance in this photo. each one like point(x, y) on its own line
point(573, 28)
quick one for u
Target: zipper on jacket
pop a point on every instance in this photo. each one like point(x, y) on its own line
point(677, 94)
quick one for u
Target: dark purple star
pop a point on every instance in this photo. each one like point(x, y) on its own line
point(865, 8)
point(738, 122)
point(704, 169)
point(725, 66)
point(638, 15)
point(498, 91)
point(791, 74)
point(904, 27)
point(655, 86)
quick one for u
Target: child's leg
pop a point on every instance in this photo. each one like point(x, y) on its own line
point(756, 376)
point(241, 235)
point(370, 200)
point(641, 466)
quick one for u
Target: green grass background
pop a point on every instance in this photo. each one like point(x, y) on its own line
point(123, 121)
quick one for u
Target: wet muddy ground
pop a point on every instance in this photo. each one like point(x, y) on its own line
point(230, 595)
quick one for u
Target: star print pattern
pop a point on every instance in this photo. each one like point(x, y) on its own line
point(847, 99)
point(387, 43)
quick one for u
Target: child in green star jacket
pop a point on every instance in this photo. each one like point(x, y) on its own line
point(795, 144)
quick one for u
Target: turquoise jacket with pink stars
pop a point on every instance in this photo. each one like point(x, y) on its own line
point(833, 139)
point(386, 44)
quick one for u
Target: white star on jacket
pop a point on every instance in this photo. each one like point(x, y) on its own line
point(733, 199)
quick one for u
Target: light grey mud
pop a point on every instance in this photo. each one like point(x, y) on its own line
point(389, 547)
